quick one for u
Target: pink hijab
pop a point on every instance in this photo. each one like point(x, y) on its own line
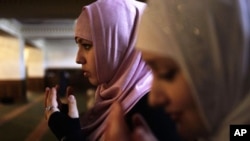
point(121, 72)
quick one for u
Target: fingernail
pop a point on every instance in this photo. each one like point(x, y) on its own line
point(71, 97)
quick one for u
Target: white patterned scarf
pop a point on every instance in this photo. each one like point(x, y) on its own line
point(210, 39)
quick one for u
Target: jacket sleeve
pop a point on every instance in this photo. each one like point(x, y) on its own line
point(65, 128)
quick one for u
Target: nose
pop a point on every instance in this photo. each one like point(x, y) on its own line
point(80, 59)
point(158, 95)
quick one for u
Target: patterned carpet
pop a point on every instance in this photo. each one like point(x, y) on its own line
point(25, 121)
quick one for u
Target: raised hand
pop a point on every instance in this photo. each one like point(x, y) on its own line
point(50, 103)
point(141, 132)
point(117, 129)
point(64, 125)
point(53, 103)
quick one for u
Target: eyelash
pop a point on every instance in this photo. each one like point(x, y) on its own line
point(169, 75)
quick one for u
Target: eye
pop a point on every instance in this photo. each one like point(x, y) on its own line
point(86, 46)
point(83, 43)
point(168, 75)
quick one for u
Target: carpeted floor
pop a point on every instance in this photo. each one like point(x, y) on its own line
point(25, 121)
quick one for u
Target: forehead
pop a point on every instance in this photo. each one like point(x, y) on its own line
point(153, 58)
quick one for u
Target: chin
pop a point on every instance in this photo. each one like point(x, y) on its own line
point(190, 133)
point(93, 82)
point(186, 133)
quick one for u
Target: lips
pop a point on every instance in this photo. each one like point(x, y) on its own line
point(174, 116)
point(86, 74)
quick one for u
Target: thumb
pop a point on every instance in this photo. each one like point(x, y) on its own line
point(142, 131)
point(73, 111)
point(139, 121)
point(116, 128)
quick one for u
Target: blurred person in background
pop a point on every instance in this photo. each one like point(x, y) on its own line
point(199, 52)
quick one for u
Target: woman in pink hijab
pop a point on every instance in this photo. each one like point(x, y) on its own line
point(106, 34)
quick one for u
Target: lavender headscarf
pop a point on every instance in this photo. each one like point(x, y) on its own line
point(210, 39)
point(121, 72)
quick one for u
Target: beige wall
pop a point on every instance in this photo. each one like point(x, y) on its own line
point(58, 56)
point(11, 61)
point(34, 59)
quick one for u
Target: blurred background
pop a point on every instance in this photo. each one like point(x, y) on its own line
point(37, 49)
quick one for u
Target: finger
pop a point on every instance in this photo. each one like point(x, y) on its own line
point(51, 105)
point(116, 128)
point(69, 91)
point(142, 130)
point(73, 111)
point(46, 96)
point(57, 87)
point(140, 134)
point(139, 121)
point(47, 91)
point(53, 97)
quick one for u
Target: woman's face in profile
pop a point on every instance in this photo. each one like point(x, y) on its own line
point(171, 91)
point(86, 57)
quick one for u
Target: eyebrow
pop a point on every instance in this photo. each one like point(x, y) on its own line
point(154, 65)
point(151, 64)
point(77, 40)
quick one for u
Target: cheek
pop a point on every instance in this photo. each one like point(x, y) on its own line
point(179, 92)
point(93, 66)
point(190, 123)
